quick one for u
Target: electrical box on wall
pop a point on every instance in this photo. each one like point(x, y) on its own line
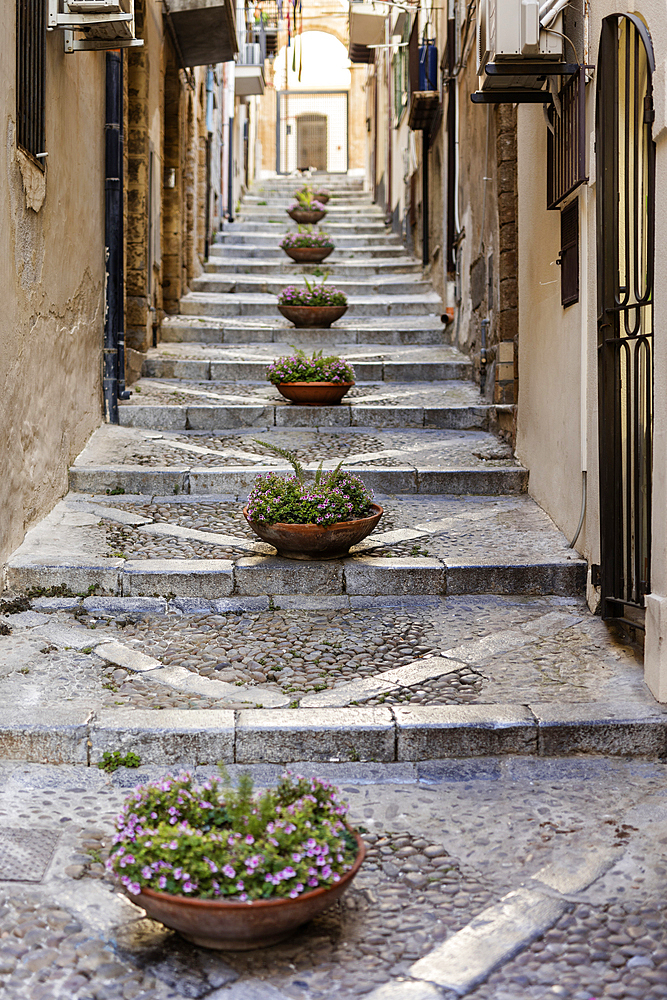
point(514, 33)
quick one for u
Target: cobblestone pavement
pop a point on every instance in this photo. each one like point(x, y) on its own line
point(570, 655)
point(383, 448)
point(446, 840)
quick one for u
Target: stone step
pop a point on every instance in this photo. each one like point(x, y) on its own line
point(271, 250)
point(343, 241)
point(135, 460)
point(336, 229)
point(162, 366)
point(417, 330)
point(132, 546)
point(337, 265)
point(260, 304)
point(389, 284)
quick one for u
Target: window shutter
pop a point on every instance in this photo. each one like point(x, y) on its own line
point(568, 257)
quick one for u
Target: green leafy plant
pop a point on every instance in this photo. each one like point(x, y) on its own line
point(314, 294)
point(306, 236)
point(113, 759)
point(299, 367)
point(213, 840)
point(331, 497)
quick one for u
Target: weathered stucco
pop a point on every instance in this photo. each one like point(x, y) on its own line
point(51, 284)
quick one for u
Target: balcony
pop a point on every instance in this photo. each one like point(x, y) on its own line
point(204, 30)
point(367, 28)
point(249, 71)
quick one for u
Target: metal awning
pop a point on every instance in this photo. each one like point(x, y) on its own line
point(204, 30)
point(248, 80)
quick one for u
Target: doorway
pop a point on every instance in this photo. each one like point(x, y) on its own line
point(625, 256)
point(311, 142)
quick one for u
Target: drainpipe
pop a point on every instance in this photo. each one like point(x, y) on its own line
point(230, 172)
point(209, 137)
point(482, 356)
point(390, 121)
point(113, 235)
point(426, 138)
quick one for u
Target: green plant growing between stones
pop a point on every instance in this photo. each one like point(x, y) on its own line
point(113, 759)
point(117, 490)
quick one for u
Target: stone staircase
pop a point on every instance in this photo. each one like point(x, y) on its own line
point(155, 503)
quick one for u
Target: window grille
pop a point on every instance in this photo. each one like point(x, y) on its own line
point(568, 257)
point(30, 76)
point(566, 144)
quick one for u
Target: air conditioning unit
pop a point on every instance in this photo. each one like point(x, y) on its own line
point(514, 33)
point(104, 24)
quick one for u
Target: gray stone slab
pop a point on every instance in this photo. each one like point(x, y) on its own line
point(405, 574)
point(126, 605)
point(44, 735)
point(390, 480)
point(193, 683)
point(67, 636)
point(183, 577)
point(573, 871)
point(387, 416)
point(464, 731)
point(250, 989)
point(56, 603)
point(304, 602)
point(313, 416)
point(24, 573)
point(565, 578)
point(405, 990)
point(124, 656)
point(612, 728)
point(468, 957)
point(481, 482)
point(153, 416)
point(206, 418)
point(131, 479)
point(284, 735)
point(256, 575)
point(229, 480)
point(166, 737)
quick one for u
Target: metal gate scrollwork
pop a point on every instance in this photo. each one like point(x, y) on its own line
point(625, 154)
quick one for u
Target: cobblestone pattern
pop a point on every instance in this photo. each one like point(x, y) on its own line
point(132, 543)
point(593, 952)
point(451, 393)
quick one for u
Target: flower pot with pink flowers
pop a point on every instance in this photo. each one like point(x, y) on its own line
point(231, 869)
point(316, 305)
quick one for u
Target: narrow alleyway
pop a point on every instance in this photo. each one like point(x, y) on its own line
point(435, 672)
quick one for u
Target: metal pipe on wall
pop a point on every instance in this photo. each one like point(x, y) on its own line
point(113, 234)
point(426, 137)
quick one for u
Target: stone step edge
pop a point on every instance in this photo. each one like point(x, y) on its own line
point(257, 575)
point(192, 480)
point(169, 737)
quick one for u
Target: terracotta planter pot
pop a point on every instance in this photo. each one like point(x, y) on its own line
point(313, 541)
point(322, 198)
point(308, 255)
point(213, 923)
point(314, 393)
point(304, 216)
point(321, 316)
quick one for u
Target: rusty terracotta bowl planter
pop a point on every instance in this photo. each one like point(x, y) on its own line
point(308, 255)
point(305, 216)
point(322, 198)
point(314, 393)
point(231, 926)
point(315, 541)
point(320, 316)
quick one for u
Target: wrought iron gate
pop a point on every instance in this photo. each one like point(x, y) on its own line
point(625, 155)
point(312, 130)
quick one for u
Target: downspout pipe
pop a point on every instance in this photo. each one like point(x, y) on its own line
point(426, 141)
point(113, 238)
point(230, 172)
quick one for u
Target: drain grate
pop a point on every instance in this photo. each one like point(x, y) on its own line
point(25, 854)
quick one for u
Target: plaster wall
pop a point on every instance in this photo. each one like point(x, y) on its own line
point(51, 285)
point(557, 431)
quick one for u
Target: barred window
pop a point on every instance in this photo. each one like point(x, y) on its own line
point(30, 75)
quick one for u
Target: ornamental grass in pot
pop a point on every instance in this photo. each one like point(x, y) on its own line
point(307, 246)
point(231, 869)
point(311, 381)
point(306, 208)
point(311, 520)
point(316, 305)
